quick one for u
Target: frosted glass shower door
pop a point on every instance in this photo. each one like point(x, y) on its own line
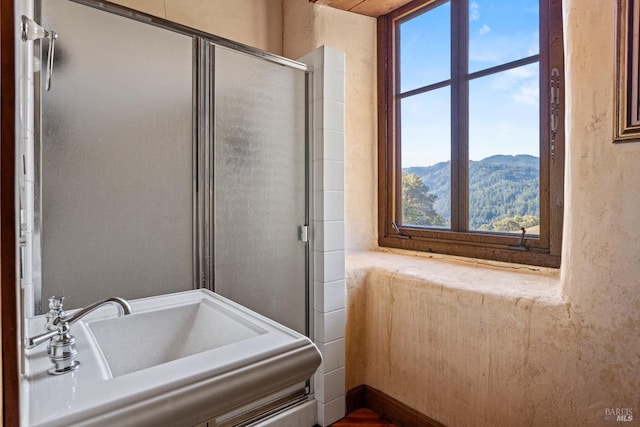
point(260, 186)
point(116, 158)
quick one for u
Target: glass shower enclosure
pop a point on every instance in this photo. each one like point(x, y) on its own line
point(259, 178)
point(165, 159)
point(168, 159)
point(115, 160)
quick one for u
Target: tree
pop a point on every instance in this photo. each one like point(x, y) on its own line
point(417, 203)
point(515, 223)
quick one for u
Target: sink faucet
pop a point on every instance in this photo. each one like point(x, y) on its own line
point(62, 345)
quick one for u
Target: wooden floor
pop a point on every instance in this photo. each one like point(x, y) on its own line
point(362, 418)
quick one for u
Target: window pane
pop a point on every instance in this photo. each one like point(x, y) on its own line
point(426, 158)
point(425, 48)
point(504, 151)
point(502, 31)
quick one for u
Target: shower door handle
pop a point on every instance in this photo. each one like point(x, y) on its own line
point(33, 31)
point(52, 43)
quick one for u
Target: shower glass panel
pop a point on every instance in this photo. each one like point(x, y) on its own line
point(260, 183)
point(116, 158)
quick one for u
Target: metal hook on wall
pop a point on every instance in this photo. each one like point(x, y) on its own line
point(33, 31)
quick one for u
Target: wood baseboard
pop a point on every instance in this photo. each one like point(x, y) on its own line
point(387, 407)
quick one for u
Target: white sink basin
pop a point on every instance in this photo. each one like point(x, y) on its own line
point(143, 340)
point(178, 359)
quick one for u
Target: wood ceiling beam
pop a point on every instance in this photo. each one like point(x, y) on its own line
point(372, 8)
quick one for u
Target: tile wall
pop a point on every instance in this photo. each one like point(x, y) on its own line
point(328, 230)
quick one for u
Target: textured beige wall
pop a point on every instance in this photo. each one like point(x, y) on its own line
point(601, 254)
point(257, 23)
point(465, 356)
point(463, 343)
point(308, 26)
point(485, 358)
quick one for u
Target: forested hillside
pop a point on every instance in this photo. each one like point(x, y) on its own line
point(503, 192)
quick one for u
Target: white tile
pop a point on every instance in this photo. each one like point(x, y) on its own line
point(333, 239)
point(328, 144)
point(331, 412)
point(318, 205)
point(329, 296)
point(328, 205)
point(333, 114)
point(318, 236)
point(329, 326)
point(333, 355)
point(318, 83)
point(334, 264)
point(333, 178)
point(328, 114)
point(328, 266)
point(333, 145)
point(333, 84)
point(328, 175)
point(334, 58)
point(328, 236)
point(318, 266)
point(332, 206)
point(334, 295)
point(330, 386)
point(318, 175)
point(318, 385)
point(318, 296)
point(318, 143)
point(318, 113)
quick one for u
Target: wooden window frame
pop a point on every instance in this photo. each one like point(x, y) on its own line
point(627, 88)
point(543, 250)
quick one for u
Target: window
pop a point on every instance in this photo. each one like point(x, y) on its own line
point(471, 150)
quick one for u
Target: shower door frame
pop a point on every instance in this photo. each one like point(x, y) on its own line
point(203, 140)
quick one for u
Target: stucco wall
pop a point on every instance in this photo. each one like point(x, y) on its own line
point(257, 23)
point(434, 333)
point(462, 342)
point(601, 254)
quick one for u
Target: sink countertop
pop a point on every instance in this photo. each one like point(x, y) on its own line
point(190, 389)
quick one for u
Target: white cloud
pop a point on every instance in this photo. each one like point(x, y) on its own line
point(520, 84)
point(527, 93)
point(485, 29)
point(501, 48)
point(474, 11)
point(520, 73)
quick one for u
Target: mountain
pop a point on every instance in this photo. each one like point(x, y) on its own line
point(500, 187)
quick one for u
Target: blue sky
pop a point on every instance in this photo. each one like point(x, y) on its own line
point(503, 107)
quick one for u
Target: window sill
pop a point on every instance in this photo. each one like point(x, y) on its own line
point(501, 279)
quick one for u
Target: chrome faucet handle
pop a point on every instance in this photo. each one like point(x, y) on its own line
point(55, 311)
point(39, 339)
point(62, 345)
point(55, 303)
